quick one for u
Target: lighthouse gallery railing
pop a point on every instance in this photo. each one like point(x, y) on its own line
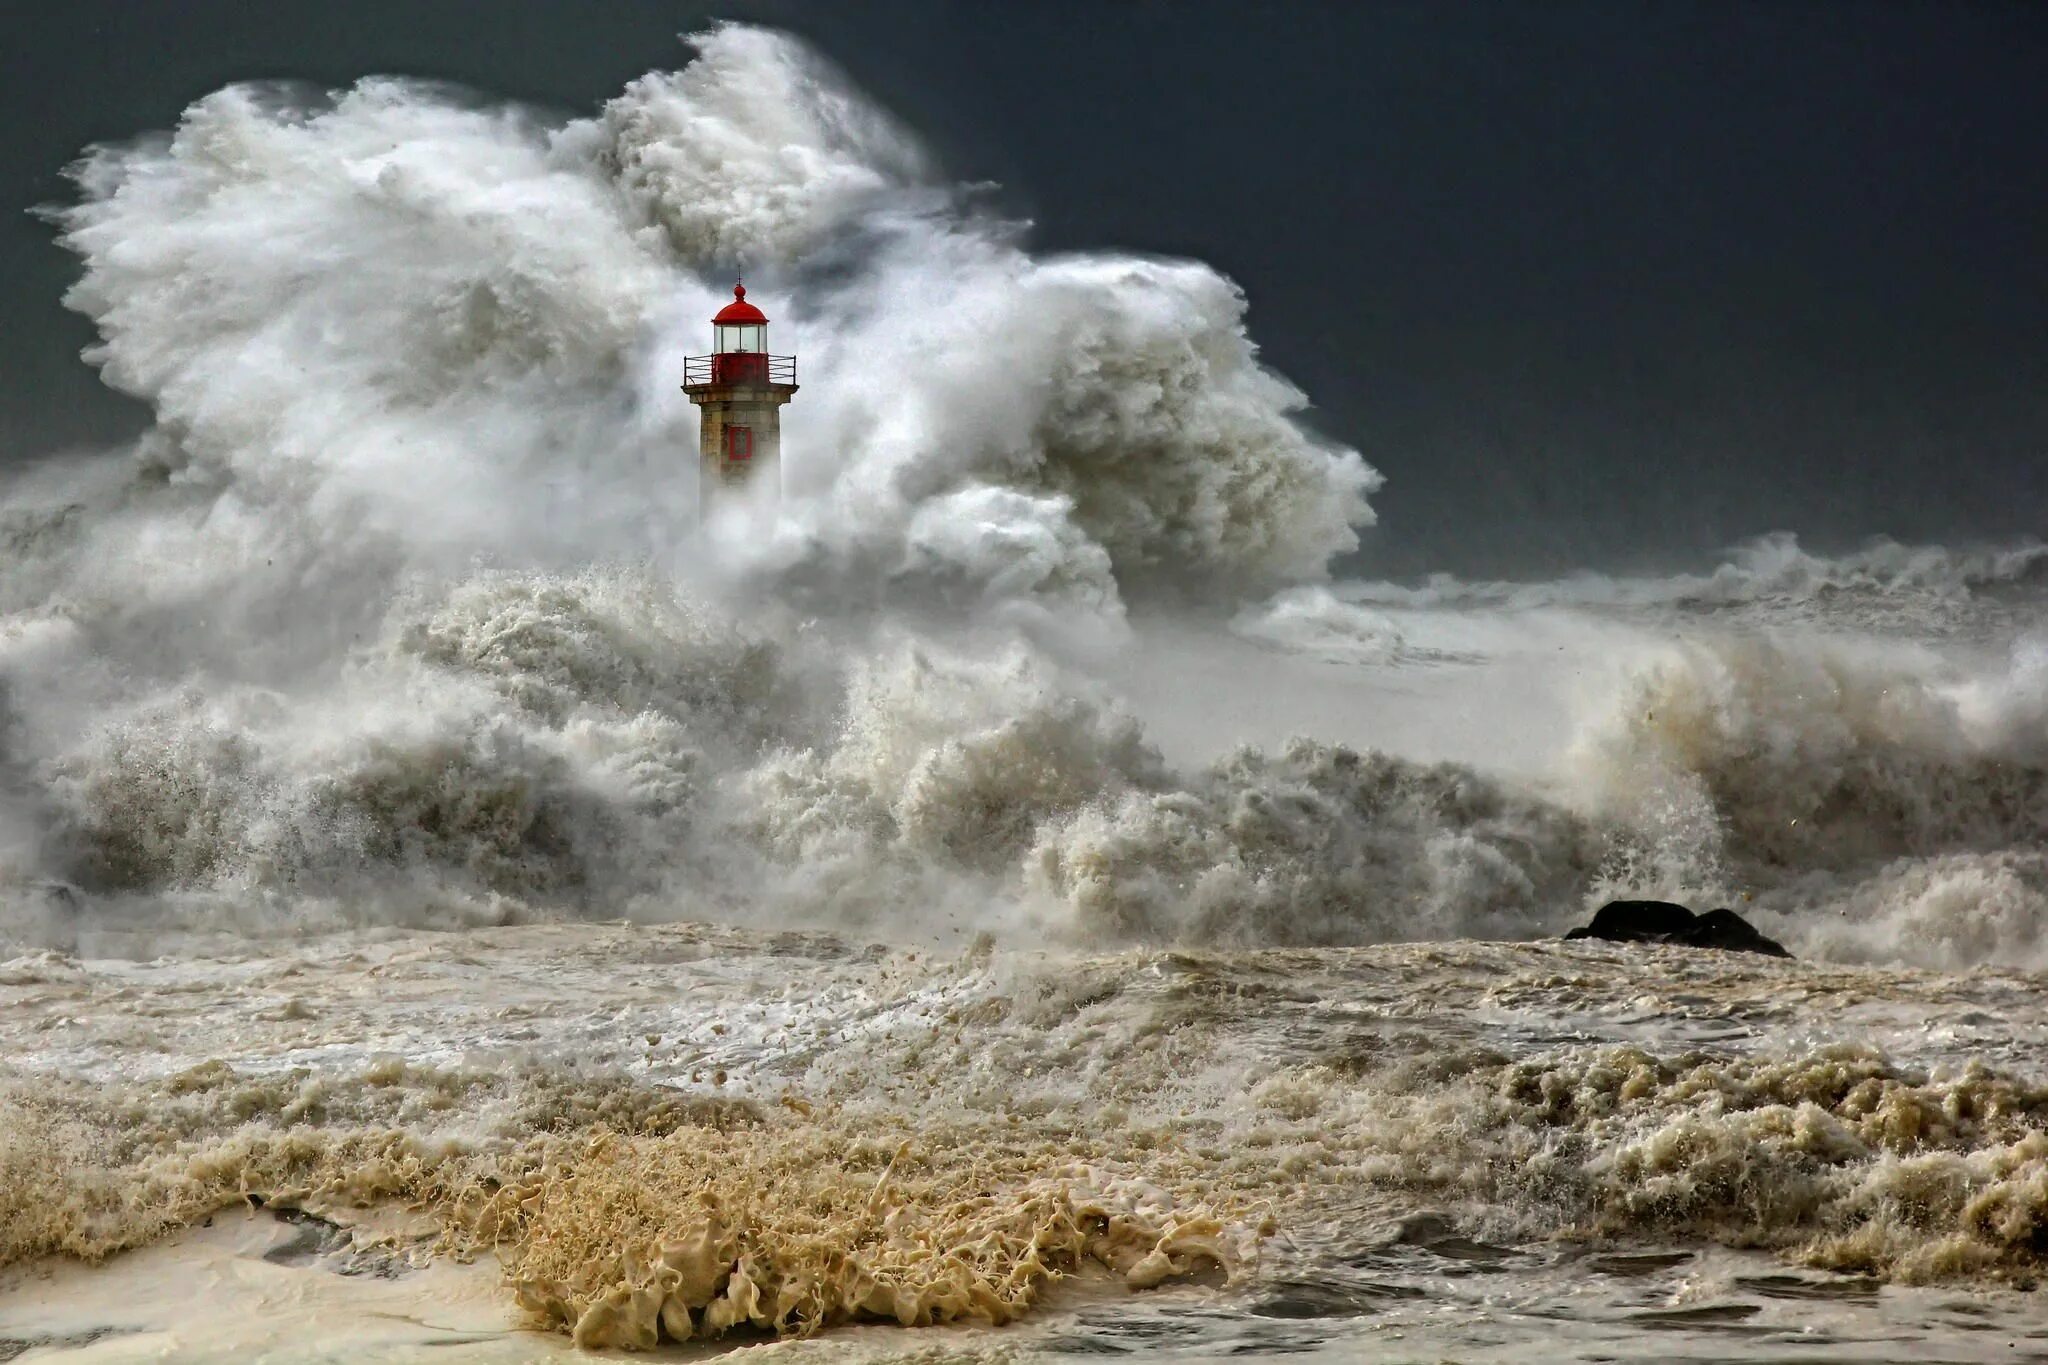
point(739, 367)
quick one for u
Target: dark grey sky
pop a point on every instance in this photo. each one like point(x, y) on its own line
point(1590, 283)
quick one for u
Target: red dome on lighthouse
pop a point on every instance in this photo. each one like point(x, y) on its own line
point(739, 310)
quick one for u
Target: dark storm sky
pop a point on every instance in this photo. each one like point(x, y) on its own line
point(1605, 284)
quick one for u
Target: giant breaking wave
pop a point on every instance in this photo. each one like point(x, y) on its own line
point(401, 611)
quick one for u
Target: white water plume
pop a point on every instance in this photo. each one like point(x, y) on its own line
point(406, 327)
point(402, 610)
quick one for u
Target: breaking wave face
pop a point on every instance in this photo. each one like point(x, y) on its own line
point(516, 744)
point(397, 594)
point(402, 612)
point(400, 328)
point(1903, 793)
point(399, 612)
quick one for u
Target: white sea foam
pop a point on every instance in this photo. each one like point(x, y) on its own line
point(401, 610)
point(401, 617)
point(402, 327)
point(1772, 570)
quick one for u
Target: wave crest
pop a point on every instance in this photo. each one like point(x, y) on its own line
point(1316, 845)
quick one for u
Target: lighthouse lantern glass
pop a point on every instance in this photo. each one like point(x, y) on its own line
point(731, 337)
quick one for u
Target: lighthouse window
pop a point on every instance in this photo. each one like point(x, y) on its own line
point(739, 444)
point(741, 336)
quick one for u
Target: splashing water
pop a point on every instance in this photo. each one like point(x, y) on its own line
point(344, 719)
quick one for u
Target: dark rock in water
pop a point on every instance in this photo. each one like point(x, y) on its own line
point(1725, 929)
point(1663, 922)
point(1638, 922)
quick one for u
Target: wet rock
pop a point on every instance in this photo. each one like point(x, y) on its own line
point(1663, 922)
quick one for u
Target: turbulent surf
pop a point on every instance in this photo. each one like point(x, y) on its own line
point(1023, 877)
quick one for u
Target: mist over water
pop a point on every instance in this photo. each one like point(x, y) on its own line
point(402, 618)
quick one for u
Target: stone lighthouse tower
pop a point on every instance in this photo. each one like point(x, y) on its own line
point(740, 390)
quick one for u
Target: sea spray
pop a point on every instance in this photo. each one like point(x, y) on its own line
point(404, 800)
point(399, 324)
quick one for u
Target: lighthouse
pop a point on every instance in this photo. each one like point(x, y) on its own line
point(739, 389)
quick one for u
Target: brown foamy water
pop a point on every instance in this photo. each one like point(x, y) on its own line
point(642, 1135)
point(1134, 942)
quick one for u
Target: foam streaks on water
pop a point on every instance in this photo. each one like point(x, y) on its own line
point(1007, 876)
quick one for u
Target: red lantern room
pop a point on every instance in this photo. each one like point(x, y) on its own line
point(740, 389)
point(740, 326)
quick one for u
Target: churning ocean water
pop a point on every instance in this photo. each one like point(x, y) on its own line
point(1005, 902)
